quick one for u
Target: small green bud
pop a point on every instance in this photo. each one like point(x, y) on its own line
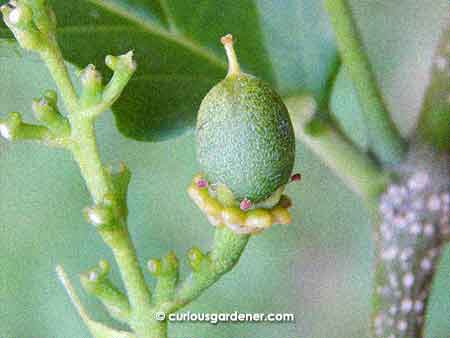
point(9, 127)
point(43, 110)
point(154, 266)
point(123, 66)
point(46, 111)
point(18, 16)
point(51, 96)
point(92, 86)
point(104, 266)
point(12, 128)
point(96, 276)
point(122, 63)
point(195, 257)
point(170, 263)
point(90, 77)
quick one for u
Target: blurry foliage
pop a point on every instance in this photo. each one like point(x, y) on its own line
point(321, 263)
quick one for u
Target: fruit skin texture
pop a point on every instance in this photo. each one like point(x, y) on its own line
point(245, 138)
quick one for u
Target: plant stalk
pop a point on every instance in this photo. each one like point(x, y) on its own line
point(55, 63)
point(362, 175)
point(85, 150)
point(386, 141)
point(225, 254)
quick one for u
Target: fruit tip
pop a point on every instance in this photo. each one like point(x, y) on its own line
point(233, 64)
point(227, 40)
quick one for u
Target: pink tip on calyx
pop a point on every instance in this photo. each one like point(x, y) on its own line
point(296, 177)
point(202, 183)
point(245, 204)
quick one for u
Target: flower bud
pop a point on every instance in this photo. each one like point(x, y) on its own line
point(154, 266)
point(195, 257)
point(92, 86)
point(122, 63)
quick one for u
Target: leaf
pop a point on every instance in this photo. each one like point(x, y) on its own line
point(180, 58)
point(301, 45)
point(434, 123)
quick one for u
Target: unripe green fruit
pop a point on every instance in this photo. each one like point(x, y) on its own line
point(245, 138)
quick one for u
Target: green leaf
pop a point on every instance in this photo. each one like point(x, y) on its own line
point(434, 123)
point(180, 57)
point(301, 45)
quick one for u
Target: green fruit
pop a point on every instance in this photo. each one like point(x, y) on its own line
point(245, 138)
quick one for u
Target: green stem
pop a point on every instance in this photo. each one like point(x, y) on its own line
point(85, 151)
point(55, 63)
point(86, 154)
point(386, 141)
point(118, 238)
point(227, 249)
point(115, 302)
point(120, 242)
point(167, 278)
point(112, 298)
point(356, 169)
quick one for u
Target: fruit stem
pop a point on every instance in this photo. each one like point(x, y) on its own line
point(233, 64)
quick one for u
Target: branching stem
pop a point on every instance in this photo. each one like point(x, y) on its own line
point(227, 249)
point(86, 154)
point(55, 63)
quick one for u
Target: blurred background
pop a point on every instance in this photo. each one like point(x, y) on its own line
point(318, 268)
